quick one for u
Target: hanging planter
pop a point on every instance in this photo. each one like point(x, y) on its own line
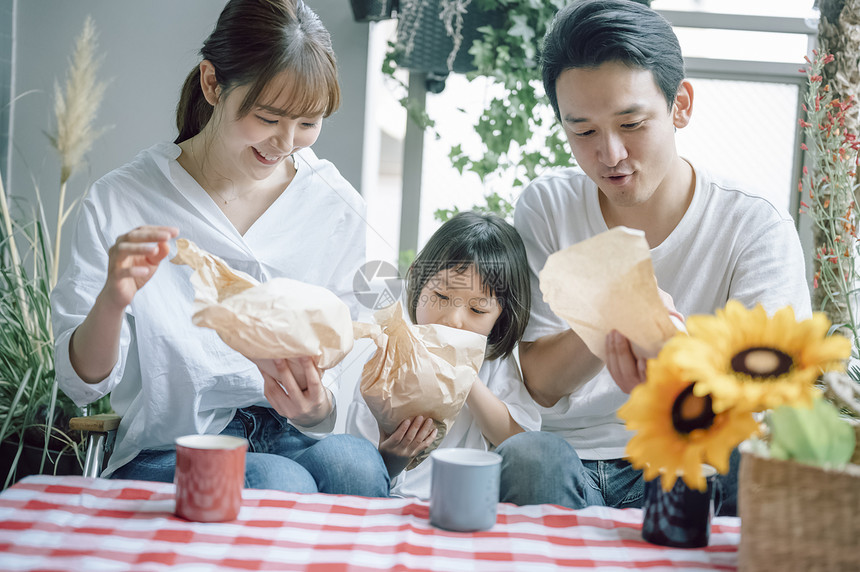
point(373, 10)
point(434, 36)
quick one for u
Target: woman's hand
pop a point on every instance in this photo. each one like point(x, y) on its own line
point(133, 260)
point(306, 406)
point(410, 438)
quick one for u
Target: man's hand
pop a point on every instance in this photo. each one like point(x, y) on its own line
point(627, 362)
point(624, 365)
point(306, 406)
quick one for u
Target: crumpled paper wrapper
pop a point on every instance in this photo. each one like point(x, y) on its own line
point(607, 283)
point(418, 370)
point(281, 318)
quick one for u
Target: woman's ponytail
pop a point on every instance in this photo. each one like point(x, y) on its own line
point(192, 111)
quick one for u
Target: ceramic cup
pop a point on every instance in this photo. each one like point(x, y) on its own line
point(210, 475)
point(464, 489)
point(680, 517)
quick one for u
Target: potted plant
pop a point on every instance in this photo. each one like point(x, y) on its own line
point(34, 412)
point(799, 486)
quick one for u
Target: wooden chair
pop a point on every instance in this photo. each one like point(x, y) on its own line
point(101, 434)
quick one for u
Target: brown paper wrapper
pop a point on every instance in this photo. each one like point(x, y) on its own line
point(281, 318)
point(418, 370)
point(607, 283)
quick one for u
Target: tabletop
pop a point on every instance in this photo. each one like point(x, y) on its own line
point(76, 523)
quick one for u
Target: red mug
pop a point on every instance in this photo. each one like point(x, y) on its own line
point(210, 475)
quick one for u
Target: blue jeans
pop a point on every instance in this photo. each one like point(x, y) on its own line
point(539, 467)
point(281, 457)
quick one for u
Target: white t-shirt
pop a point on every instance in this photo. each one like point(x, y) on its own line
point(502, 376)
point(173, 378)
point(730, 244)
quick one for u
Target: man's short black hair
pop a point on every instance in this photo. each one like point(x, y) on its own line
point(589, 33)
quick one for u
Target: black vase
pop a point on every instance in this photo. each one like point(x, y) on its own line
point(680, 517)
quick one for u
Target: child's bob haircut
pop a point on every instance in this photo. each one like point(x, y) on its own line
point(496, 250)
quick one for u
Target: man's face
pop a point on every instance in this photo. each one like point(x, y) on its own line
point(620, 129)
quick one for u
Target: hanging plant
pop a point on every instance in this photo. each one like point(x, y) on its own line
point(498, 39)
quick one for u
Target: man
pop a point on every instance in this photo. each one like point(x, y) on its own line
point(614, 74)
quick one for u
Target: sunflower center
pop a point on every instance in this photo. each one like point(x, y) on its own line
point(691, 412)
point(762, 362)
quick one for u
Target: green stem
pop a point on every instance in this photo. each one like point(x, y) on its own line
point(55, 263)
point(7, 221)
point(16, 258)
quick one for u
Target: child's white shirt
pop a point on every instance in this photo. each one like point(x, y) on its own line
point(501, 376)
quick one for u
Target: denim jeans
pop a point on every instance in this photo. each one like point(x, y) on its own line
point(283, 458)
point(539, 467)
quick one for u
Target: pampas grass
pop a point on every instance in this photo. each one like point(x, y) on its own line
point(75, 111)
point(30, 400)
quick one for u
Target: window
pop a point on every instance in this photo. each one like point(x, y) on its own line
point(742, 58)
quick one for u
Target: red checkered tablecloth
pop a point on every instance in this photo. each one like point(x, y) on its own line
point(74, 523)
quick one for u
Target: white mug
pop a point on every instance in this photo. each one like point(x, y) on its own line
point(464, 489)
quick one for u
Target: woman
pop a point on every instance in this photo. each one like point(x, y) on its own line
point(241, 182)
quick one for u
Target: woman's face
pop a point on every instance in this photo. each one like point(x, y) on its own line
point(458, 300)
point(256, 145)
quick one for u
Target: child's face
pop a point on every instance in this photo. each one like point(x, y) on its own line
point(458, 300)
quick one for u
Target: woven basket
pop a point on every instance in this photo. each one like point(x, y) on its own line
point(798, 517)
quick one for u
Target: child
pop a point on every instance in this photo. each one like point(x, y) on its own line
point(471, 275)
point(241, 182)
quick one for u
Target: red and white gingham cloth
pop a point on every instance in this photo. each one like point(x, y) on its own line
point(74, 523)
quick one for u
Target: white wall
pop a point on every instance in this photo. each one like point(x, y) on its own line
point(149, 46)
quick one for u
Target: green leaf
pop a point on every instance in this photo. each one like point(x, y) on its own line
point(816, 436)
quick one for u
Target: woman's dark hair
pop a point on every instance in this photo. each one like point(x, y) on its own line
point(496, 250)
point(253, 42)
point(588, 33)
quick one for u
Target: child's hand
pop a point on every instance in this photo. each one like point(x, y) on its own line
point(410, 438)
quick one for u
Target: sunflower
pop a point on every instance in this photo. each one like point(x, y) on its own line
point(745, 359)
point(677, 430)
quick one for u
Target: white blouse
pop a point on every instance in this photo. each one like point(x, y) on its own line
point(173, 378)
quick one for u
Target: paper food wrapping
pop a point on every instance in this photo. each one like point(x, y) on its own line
point(607, 283)
point(281, 318)
point(418, 370)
